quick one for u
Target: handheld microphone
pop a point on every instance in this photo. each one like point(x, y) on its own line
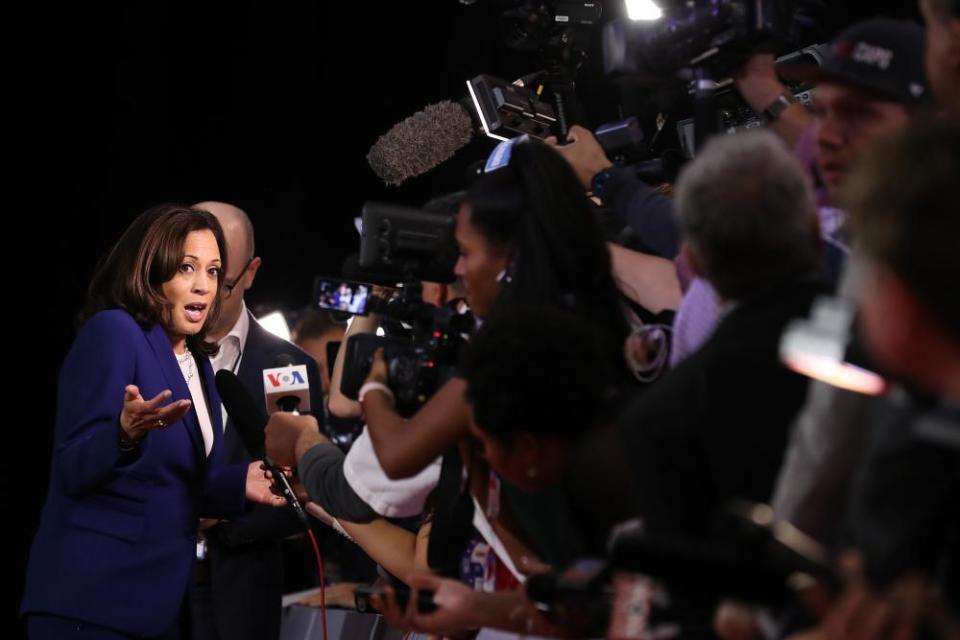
point(248, 420)
point(285, 386)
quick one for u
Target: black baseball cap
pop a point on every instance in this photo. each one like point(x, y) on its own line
point(882, 55)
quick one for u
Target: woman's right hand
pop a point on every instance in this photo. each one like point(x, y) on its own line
point(140, 416)
point(260, 486)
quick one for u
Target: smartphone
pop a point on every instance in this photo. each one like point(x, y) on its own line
point(342, 295)
point(361, 595)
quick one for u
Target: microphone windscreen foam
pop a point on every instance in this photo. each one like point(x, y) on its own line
point(421, 142)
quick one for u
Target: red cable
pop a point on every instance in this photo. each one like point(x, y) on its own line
point(323, 588)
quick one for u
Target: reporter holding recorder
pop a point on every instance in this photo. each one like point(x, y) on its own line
point(137, 454)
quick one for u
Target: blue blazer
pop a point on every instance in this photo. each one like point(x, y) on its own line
point(117, 535)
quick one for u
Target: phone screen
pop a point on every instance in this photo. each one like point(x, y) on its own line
point(342, 295)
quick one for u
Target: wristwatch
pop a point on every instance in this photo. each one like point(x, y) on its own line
point(598, 184)
point(778, 106)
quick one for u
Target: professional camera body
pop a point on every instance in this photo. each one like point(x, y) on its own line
point(400, 244)
point(422, 342)
point(421, 353)
point(716, 35)
point(548, 25)
point(688, 58)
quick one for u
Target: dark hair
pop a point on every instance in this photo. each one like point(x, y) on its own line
point(906, 213)
point(536, 209)
point(536, 369)
point(147, 255)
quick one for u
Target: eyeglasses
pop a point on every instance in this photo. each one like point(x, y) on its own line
point(228, 286)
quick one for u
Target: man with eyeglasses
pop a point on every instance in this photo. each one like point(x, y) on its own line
point(239, 579)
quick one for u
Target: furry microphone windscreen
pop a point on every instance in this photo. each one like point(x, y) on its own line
point(421, 142)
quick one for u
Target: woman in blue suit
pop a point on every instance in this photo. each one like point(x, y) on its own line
point(137, 446)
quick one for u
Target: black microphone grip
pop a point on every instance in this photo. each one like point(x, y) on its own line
point(287, 491)
point(248, 419)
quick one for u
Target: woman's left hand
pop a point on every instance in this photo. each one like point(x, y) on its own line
point(260, 487)
point(378, 370)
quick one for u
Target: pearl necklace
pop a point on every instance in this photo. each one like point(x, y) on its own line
point(187, 358)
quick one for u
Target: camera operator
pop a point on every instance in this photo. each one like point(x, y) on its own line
point(353, 487)
point(526, 234)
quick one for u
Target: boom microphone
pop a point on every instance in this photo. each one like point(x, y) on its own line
point(423, 141)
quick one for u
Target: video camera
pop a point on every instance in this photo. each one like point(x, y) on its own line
point(402, 245)
point(535, 25)
point(715, 34)
point(399, 244)
point(418, 362)
point(689, 57)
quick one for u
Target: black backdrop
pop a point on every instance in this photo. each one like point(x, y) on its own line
point(271, 107)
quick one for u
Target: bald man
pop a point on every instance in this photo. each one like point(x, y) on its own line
point(241, 258)
point(239, 584)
